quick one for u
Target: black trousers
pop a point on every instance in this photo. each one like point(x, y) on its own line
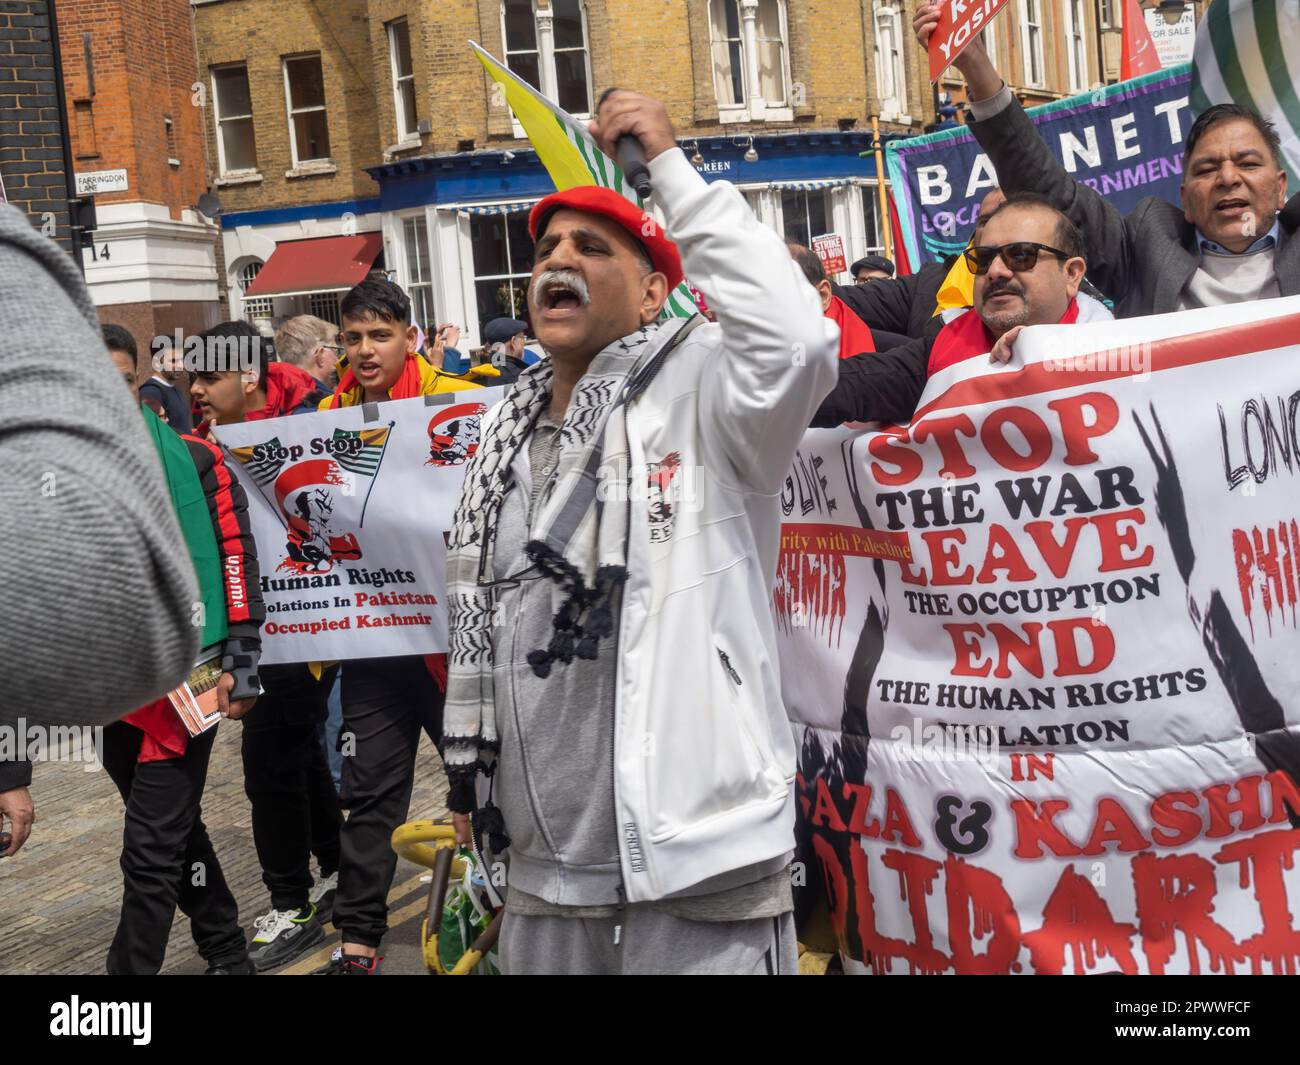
point(288, 783)
point(386, 704)
point(167, 858)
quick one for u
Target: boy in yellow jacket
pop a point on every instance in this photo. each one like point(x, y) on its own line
point(379, 340)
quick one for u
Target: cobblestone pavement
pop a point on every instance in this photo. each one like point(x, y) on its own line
point(59, 896)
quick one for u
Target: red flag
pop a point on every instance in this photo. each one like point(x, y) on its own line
point(1138, 55)
point(901, 266)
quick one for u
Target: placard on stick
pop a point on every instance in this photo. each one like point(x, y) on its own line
point(960, 22)
point(830, 250)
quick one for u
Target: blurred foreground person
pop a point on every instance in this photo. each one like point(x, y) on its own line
point(104, 580)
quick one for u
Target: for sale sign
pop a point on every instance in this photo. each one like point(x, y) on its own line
point(960, 21)
point(1174, 42)
point(830, 250)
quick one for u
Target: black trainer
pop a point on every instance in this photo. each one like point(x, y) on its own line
point(283, 935)
point(341, 964)
point(243, 967)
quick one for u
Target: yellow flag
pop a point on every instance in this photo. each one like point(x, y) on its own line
point(562, 143)
point(570, 155)
point(958, 288)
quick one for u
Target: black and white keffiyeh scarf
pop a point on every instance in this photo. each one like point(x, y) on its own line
point(579, 537)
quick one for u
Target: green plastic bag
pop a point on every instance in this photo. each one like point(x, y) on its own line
point(464, 918)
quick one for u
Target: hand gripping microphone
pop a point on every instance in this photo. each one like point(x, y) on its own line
point(630, 156)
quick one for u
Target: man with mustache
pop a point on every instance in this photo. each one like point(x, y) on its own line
point(1224, 245)
point(911, 305)
point(1028, 266)
point(613, 659)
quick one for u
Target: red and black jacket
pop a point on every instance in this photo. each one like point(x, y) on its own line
point(165, 736)
point(228, 508)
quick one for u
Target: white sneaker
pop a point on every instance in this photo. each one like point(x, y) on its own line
point(322, 897)
point(283, 935)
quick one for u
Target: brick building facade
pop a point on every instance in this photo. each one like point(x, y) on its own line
point(130, 73)
point(32, 166)
point(374, 117)
point(269, 67)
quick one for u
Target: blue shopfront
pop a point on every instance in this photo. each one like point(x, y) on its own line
point(456, 226)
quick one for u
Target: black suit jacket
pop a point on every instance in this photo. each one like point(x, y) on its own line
point(902, 305)
point(1290, 216)
point(879, 386)
point(1143, 260)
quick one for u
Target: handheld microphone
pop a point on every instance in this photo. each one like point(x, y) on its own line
point(630, 156)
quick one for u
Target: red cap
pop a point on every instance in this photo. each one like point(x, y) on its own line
point(607, 203)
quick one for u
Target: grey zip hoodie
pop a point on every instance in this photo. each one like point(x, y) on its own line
point(554, 780)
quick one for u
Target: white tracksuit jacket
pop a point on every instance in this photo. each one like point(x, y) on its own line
point(704, 757)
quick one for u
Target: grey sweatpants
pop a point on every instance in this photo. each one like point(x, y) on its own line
point(644, 941)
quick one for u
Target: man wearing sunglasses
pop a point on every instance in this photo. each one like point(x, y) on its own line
point(1224, 244)
point(1028, 264)
point(909, 305)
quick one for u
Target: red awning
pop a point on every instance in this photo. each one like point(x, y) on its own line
point(323, 264)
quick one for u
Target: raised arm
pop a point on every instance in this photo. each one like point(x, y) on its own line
point(881, 386)
point(1024, 163)
point(779, 352)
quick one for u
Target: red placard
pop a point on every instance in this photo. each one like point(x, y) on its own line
point(830, 250)
point(960, 21)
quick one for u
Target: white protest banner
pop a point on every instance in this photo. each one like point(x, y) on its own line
point(348, 509)
point(1041, 657)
